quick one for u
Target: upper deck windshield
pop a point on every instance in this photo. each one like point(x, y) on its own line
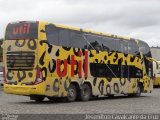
point(144, 48)
point(22, 30)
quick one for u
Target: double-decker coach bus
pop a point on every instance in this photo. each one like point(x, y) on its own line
point(155, 51)
point(156, 74)
point(49, 60)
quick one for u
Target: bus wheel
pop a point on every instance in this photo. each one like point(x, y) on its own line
point(72, 93)
point(85, 93)
point(37, 98)
point(138, 91)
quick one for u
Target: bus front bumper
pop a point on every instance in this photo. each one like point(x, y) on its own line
point(27, 90)
point(156, 81)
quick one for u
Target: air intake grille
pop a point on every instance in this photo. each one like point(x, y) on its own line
point(20, 60)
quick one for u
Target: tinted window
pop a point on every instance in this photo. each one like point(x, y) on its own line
point(144, 48)
point(133, 47)
point(108, 44)
point(94, 42)
point(122, 46)
point(103, 70)
point(64, 37)
point(77, 40)
point(113, 71)
point(52, 34)
point(127, 46)
point(22, 30)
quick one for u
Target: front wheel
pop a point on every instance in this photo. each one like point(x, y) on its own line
point(138, 91)
point(72, 93)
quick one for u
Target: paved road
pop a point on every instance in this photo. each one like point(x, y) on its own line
point(148, 103)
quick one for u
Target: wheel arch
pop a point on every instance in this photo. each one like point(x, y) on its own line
point(89, 84)
point(76, 84)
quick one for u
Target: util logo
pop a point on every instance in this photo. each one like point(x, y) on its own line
point(22, 29)
point(73, 63)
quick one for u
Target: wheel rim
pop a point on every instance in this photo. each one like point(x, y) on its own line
point(85, 92)
point(71, 93)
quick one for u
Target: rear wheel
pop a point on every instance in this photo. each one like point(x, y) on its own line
point(72, 93)
point(85, 93)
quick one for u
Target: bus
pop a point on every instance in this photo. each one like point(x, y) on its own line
point(156, 74)
point(1, 58)
point(155, 51)
point(43, 59)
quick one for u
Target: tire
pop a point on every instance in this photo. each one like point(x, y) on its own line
point(72, 93)
point(138, 91)
point(85, 92)
point(37, 98)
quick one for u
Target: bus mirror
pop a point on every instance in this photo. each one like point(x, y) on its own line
point(43, 31)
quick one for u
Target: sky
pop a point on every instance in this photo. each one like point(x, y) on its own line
point(134, 18)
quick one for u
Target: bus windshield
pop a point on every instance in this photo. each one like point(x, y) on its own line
point(144, 48)
point(22, 30)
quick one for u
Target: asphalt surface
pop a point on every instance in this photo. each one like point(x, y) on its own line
point(147, 103)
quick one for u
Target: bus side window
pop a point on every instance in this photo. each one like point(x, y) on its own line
point(133, 48)
point(52, 34)
point(77, 40)
point(122, 46)
point(108, 44)
point(64, 37)
point(94, 42)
